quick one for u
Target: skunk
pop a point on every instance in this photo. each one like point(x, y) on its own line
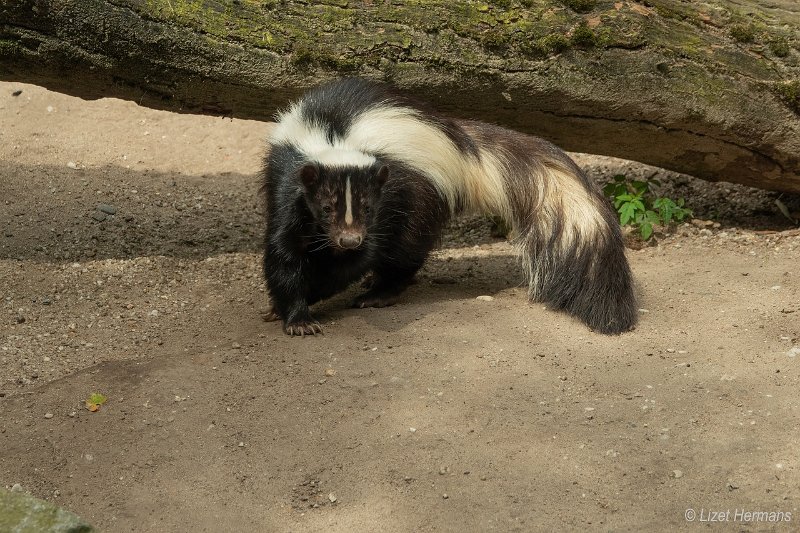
point(360, 180)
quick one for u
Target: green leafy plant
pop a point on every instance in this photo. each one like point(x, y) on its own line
point(94, 401)
point(640, 208)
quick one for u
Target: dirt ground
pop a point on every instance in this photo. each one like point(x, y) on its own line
point(129, 266)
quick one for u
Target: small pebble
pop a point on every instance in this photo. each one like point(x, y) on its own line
point(99, 216)
point(702, 223)
point(48, 415)
point(445, 496)
point(107, 209)
point(330, 372)
point(72, 165)
point(16, 487)
point(677, 474)
point(332, 497)
point(485, 298)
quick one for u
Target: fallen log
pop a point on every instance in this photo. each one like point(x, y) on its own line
point(707, 88)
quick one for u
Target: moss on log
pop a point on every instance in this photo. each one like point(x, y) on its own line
point(707, 88)
point(22, 513)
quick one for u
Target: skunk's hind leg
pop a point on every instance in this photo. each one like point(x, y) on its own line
point(385, 289)
point(382, 294)
point(388, 281)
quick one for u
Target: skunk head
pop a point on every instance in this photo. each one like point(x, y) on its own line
point(342, 199)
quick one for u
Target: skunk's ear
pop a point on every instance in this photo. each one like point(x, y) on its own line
point(382, 176)
point(309, 175)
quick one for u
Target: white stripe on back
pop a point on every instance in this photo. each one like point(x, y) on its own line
point(312, 140)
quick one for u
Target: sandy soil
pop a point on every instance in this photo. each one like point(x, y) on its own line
point(443, 413)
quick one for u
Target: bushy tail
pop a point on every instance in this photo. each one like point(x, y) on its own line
point(585, 275)
point(567, 234)
point(573, 251)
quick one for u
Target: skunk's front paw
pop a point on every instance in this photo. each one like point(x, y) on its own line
point(302, 328)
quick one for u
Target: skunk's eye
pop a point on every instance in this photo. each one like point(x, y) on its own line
point(327, 209)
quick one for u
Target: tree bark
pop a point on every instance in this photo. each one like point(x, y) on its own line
point(706, 88)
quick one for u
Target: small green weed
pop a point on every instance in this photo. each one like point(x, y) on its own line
point(639, 208)
point(743, 34)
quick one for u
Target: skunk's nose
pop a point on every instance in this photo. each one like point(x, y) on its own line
point(350, 240)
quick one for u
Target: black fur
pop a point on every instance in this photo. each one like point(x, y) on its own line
point(335, 105)
point(303, 263)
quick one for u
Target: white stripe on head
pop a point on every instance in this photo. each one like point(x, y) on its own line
point(348, 202)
